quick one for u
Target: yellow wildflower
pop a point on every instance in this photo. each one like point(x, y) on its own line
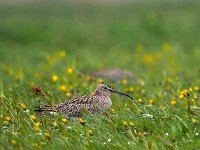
point(33, 117)
point(80, 120)
point(131, 124)
point(36, 75)
point(140, 134)
point(54, 124)
point(193, 120)
point(137, 88)
point(125, 123)
point(47, 135)
point(100, 81)
point(23, 106)
point(36, 129)
point(196, 88)
point(195, 95)
point(140, 100)
point(63, 88)
point(37, 124)
point(148, 58)
point(190, 89)
point(183, 92)
point(112, 110)
point(142, 83)
point(64, 120)
point(173, 102)
point(162, 107)
point(54, 78)
point(36, 145)
point(129, 89)
point(70, 70)
point(124, 81)
point(62, 53)
point(192, 100)
point(8, 118)
point(5, 122)
point(13, 142)
point(181, 96)
point(168, 80)
point(68, 94)
point(89, 132)
point(89, 78)
point(151, 101)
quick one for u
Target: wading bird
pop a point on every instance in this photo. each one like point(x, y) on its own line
point(95, 103)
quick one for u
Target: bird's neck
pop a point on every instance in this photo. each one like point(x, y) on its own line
point(101, 94)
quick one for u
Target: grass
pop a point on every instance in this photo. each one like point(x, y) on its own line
point(48, 45)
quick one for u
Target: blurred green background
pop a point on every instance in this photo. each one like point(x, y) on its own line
point(97, 33)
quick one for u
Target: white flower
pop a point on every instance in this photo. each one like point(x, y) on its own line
point(69, 127)
point(53, 113)
point(109, 140)
point(40, 133)
point(147, 115)
point(197, 134)
point(145, 133)
point(167, 134)
point(27, 111)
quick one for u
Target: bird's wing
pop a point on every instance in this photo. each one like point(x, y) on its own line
point(75, 106)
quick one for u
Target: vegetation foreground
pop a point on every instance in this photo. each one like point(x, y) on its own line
point(165, 114)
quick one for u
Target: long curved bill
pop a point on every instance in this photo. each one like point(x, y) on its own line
point(121, 93)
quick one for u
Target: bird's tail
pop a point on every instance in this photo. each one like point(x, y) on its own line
point(44, 109)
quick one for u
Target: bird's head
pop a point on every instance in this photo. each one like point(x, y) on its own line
point(106, 90)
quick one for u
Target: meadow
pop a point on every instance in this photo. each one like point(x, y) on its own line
point(48, 45)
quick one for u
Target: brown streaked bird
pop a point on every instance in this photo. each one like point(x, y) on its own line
point(95, 103)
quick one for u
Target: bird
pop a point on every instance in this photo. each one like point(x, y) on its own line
point(98, 102)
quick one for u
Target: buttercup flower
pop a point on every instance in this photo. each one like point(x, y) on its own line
point(54, 124)
point(124, 81)
point(13, 142)
point(23, 106)
point(54, 78)
point(70, 70)
point(90, 132)
point(193, 120)
point(173, 102)
point(62, 53)
point(63, 88)
point(151, 101)
point(64, 120)
point(33, 117)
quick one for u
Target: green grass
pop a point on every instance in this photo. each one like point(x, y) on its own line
point(159, 43)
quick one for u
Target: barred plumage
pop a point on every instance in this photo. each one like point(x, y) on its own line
point(95, 103)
